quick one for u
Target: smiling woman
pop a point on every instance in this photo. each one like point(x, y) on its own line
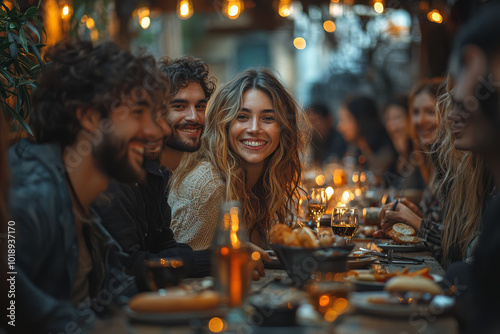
point(250, 152)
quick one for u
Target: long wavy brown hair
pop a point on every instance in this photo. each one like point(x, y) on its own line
point(465, 183)
point(421, 155)
point(275, 195)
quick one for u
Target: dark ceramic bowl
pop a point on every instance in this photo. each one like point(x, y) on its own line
point(300, 262)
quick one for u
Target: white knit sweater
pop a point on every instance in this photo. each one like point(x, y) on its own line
point(195, 207)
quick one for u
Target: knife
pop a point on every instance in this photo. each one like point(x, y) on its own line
point(399, 257)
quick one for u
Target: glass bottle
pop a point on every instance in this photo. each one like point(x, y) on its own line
point(232, 264)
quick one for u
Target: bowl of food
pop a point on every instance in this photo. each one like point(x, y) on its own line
point(300, 253)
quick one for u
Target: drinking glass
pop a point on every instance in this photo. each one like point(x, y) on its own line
point(317, 205)
point(161, 273)
point(345, 222)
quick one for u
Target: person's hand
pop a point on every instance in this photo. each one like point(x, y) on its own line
point(412, 207)
point(384, 209)
point(258, 266)
point(402, 214)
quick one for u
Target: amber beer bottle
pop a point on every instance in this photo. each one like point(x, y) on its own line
point(232, 256)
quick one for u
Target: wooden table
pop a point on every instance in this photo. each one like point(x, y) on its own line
point(352, 322)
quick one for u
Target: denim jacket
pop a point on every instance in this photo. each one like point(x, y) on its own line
point(46, 258)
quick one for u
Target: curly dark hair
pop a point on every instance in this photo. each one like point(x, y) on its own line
point(81, 75)
point(182, 71)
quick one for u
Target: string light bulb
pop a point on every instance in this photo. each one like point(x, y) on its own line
point(66, 11)
point(299, 43)
point(285, 8)
point(378, 6)
point(435, 16)
point(233, 8)
point(329, 26)
point(145, 22)
point(185, 9)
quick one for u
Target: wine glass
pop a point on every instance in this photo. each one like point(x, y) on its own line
point(317, 205)
point(345, 222)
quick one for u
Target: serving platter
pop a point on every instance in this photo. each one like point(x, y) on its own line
point(364, 302)
point(402, 248)
point(360, 262)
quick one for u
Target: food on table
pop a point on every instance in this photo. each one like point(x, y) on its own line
point(326, 241)
point(380, 234)
point(366, 277)
point(153, 302)
point(415, 284)
point(403, 234)
point(403, 229)
point(384, 276)
point(358, 253)
point(301, 237)
point(368, 231)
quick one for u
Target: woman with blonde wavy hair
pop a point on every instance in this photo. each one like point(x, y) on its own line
point(250, 151)
point(461, 182)
point(466, 181)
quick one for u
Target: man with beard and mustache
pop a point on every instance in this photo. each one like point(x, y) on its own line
point(95, 109)
point(137, 215)
point(475, 68)
point(191, 89)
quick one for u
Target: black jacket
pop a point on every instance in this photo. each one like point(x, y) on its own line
point(138, 217)
point(46, 246)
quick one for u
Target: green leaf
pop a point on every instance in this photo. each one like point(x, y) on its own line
point(25, 82)
point(23, 40)
point(12, 46)
point(18, 118)
point(30, 12)
point(4, 46)
point(34, 30)
point(37, 54)
point(6, 75)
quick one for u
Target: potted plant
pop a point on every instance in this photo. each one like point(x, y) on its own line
point(20, 61)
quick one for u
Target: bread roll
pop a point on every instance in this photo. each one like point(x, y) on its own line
point(403, 229)
point(406, 239)
point(278, 232)
point(307, 238)
point(152, 302)
point(413, 284)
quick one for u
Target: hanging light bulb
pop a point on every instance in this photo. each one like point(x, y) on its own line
point(435, 16)
point(378, 6)
point(66, 11)
point(143, 16)
point(336, 9)
point(299, 43)
point(285, 8)
point(185, 9)
point(145, 22)
point(329, 26)
point(233, 8)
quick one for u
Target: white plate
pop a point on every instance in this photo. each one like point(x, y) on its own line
point(173, 318)
point(360, 300)
point(402, 248)
point(379, 286)
point(360, 262)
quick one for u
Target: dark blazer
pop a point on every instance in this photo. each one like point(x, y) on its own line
point(138, 217)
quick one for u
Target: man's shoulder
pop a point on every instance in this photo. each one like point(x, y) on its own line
point(35, 185)
point(33, 163)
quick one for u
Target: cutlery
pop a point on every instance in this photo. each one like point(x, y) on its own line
point(399, 262)
point(397, 257)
